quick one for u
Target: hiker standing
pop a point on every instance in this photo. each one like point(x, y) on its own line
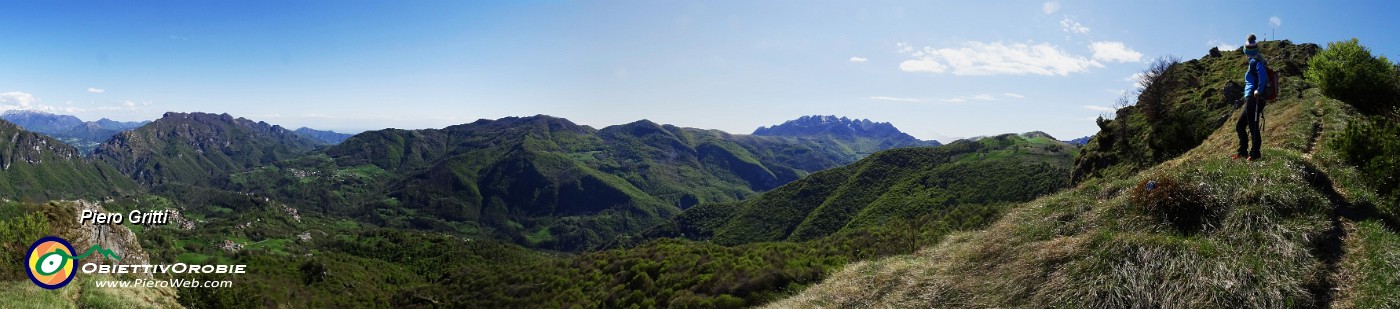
point(1254, 80)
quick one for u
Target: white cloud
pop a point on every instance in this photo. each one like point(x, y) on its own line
point(59, 110)
point(1050, 7)
point(896, 99)
point(1221, 45)
point(96, 90)
point(1100, 108)
point(17, 100)
point(977, 58)
point(904, 48)
point(1072, 26)
point(858, 59)
point(1114, 51)
point(958, 99)
point(1275, 21)
point(979, 97)
point(923, 65)
point(23, 100)
point(124, 105)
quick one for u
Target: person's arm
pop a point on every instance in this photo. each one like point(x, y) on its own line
point(1263, 73)
point(1249, 87)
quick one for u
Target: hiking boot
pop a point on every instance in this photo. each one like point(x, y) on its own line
point(1236, 157)
point(1252, 159)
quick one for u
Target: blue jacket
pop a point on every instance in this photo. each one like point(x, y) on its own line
point(1255, 77)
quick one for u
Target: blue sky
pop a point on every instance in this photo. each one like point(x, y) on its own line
point(937, 70)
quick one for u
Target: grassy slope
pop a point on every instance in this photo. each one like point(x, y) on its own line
point(1278, 233)
point(893, 184)
point(1181, 107)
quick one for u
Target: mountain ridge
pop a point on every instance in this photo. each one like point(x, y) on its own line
point(515, 177)
point(198, 148)
point(36, 166)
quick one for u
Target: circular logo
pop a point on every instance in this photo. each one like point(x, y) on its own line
point(50, 263)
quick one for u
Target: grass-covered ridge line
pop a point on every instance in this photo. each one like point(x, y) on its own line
point(1298, 229)
point(1183, 104)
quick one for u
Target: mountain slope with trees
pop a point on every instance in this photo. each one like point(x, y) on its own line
point(889, 185)
point(198, 148)
point(37, 167)
point(540, 181)
point(84, 135)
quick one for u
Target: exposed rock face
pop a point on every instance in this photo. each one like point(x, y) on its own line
point(115, 237)
point(840, 127)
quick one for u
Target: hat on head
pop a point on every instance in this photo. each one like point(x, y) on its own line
point(1251, 47)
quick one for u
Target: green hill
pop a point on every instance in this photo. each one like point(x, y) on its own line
point(672, 272)
point(888, 186)
point(1301, 228)
point(198, 148)
point(1182, 105)
point(539, 181)
point(34, 166)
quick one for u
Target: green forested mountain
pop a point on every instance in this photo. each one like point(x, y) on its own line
point(198, 148)
point(541, 181)
point(34, 166)
point(888, 186)
point(84, 135)
point(456, 270)
point(323, 136)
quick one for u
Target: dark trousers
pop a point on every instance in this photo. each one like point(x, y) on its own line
point(1249, 120)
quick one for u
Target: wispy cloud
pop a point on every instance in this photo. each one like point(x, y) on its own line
point(1102, 109)
point(96, 90)
point(978, 58)
point(883, 98)
point(858, 59)
point(1072, 26)
point(1114, 51)
point(128, 105)
point(1050, 7)
point(957, 99)
point(982, 97)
